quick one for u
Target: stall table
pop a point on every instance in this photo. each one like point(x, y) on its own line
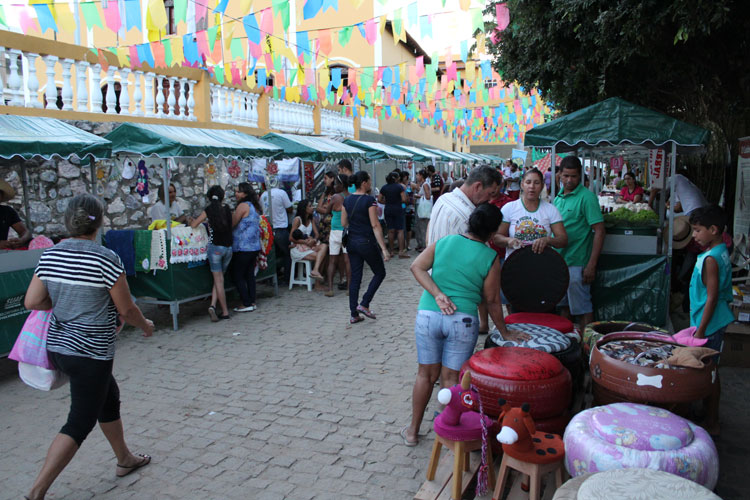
point(16, 269)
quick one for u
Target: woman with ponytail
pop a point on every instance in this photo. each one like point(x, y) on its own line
point(246, 246)
point(219, 218)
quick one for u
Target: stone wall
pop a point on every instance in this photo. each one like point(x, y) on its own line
point(51, 185)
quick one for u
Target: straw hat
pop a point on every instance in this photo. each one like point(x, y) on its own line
point(682, 233)
point(6, 191)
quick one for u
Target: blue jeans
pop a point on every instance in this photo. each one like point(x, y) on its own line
point(363, 250)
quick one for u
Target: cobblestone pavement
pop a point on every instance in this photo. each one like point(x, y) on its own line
point(289, 401)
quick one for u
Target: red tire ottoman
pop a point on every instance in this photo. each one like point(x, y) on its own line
point(563, 325)
point(632, 367)
point(522, 375)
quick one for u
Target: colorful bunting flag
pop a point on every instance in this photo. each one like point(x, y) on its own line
point(345, 35)
point(45, 18)
point(112, 16)
point(91, 15)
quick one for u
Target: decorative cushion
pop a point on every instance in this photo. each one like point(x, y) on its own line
point(596, 330)
point(543, 338)
point(520, 375)
point(534, 282)
point(468, 429)
point(554, 321)
point(640, 352)
point(627, 435)
point(641, 483)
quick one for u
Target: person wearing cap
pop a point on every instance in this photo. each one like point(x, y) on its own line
point(9, 219)
point(584, 224)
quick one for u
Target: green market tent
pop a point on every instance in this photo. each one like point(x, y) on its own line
point(26, 137)
point(615, 122)
point(312, 148)
point(164, 141)
point(420, 154)
point(464, 157)
point(445, 155)
point(379, 151)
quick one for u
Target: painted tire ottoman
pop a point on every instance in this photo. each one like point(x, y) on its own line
point(520, 375)
point(631, 367)
point(596, 330)
point(628, 435)
point(554, 321)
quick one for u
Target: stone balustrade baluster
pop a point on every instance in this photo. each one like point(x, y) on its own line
point(181, 100)
point(252, 109)
point(171, 98)
point(138, 93)
point(50, 90)
point(191, 100)
point(32, 82)
point(214, 102)
point(160, 99)
point(67, 88)
point(111, 97)
point(125, 91)
point(149, 97)
point(82, 89)
point(237, 105)
point(96, 89)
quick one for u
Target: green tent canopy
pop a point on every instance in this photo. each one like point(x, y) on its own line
point(379, 151)
point(445, 155)
point(164, 141)
point(26, 137)
point(312, 148)
point(615, 122)
point(419, 154)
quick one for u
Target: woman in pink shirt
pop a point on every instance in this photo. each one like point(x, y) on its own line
point(631, 191)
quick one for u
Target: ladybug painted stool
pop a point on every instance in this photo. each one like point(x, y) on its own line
point(527, 450)
point(461, 430)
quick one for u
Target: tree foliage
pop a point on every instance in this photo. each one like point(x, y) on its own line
point(687, 58)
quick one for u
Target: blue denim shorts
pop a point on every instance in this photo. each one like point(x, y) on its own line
point(716, 342)
point(218, 258)
point(443, 339)
point(578, 298)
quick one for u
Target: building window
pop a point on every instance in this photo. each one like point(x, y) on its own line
point(171, 24)
point(488, 83)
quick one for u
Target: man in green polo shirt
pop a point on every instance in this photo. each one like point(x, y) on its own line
point(584, 224)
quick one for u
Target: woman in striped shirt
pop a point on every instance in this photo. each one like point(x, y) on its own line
point(85, 286)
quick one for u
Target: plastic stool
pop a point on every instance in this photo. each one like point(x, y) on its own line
point(301, 276)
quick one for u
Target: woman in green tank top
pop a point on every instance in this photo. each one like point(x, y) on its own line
point(464, 272)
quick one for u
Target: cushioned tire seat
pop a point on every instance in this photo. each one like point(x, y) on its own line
point(627, 435)
point(596, 330)
point(520, 375)
point(615, 379)
point(563, 325)
point(544, 339)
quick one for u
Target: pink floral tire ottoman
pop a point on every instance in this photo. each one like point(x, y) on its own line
point(629, 435)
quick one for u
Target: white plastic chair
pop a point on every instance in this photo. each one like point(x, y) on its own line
point(301, 275)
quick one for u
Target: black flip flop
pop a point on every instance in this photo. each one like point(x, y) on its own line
point(145, 460)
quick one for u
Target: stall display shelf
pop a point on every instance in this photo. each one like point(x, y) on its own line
point(16, 269)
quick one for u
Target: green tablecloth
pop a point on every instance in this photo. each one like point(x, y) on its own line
point(13, 287)
point(631, 288)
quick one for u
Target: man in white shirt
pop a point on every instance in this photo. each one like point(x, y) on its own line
point(281, 207)
point(687, 196)
point(451, 212)
point(159, 209)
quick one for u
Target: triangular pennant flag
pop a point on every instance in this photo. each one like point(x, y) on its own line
point(412, 15)
point(178, 52)
point(157, 49)
point(237, 48)
point(464, 50)
point(371, 31)
point(311, 8)
point(222, 7)
point(334, 4)
point(477, 22)
point(168, 58)
point(156, 16)
point(144, 54)
point(91, 15)
point(45, 18)
point(251, 28)
point(112, 16)
point(211, 34)
point(398, 27)
point(135, 61)
point(345, 35)
point(282, 7)
point(324, 39)
point(464, 4)
point(425, 26)
point(132, 14)
point(266, 22)
point(180, 11)
point(2, 17)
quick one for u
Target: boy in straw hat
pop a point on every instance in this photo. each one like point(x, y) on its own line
point(9, 219)
point(711, 292)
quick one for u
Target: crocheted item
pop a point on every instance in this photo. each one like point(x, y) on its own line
point(188, 244)
point(141, 186)
point(142, 245)
point(482, 475)
point(234, 169)
point(158, 254)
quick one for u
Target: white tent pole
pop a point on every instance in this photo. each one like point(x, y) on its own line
point(552, 165)
point(165, 176)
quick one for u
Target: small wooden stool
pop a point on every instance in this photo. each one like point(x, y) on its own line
point(461, 450)
point(534, 471)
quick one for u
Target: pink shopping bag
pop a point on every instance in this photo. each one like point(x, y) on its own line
point(31, 344)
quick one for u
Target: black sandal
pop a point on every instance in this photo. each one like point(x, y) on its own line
point(224, 317)
point(145, 460)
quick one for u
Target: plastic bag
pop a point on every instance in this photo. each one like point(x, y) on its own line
point(31, 344)
point(41, 378)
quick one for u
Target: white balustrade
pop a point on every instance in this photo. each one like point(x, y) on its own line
point(191, 101)
point(67, 89)
point(149, 91)
point(138, 93)
point(50, 90)
point(171, 98)
point(111, 97)
point(32, 82)
point(252, 109)
point(125, 91)
point(214, 102)
point(82, 91)
point(333, 123)
point(14, 80)
point(160, 96)
point(369, 123)
point(96, 89)
point(291, 116)
point(181, 100)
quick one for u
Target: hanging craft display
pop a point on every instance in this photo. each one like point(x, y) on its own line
point(128, 169)
point(309, 176)
point(266, 244)
point(141, 186)
point(234, 169)
point(189, 244)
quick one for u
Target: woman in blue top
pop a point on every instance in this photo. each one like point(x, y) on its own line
point(393, 196)
point(464, 269)
point(360, 215)
point(246, 244)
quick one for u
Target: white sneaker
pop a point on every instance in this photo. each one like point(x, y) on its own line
point(245, 309)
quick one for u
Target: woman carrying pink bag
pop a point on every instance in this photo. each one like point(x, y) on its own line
point(84, 285)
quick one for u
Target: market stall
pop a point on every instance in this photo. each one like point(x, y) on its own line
point(183, 275)
point(382, 159)
point(421, 155)
point(453, 160)
point(632, 280)
point(24, 138)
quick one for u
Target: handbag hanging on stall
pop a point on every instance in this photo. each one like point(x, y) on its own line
point(30, 350)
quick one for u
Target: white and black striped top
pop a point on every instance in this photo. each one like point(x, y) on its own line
point(78, 275)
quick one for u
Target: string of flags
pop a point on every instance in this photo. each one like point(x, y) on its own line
point(466, 96)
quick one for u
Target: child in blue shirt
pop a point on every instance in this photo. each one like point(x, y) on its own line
point(711, 292)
